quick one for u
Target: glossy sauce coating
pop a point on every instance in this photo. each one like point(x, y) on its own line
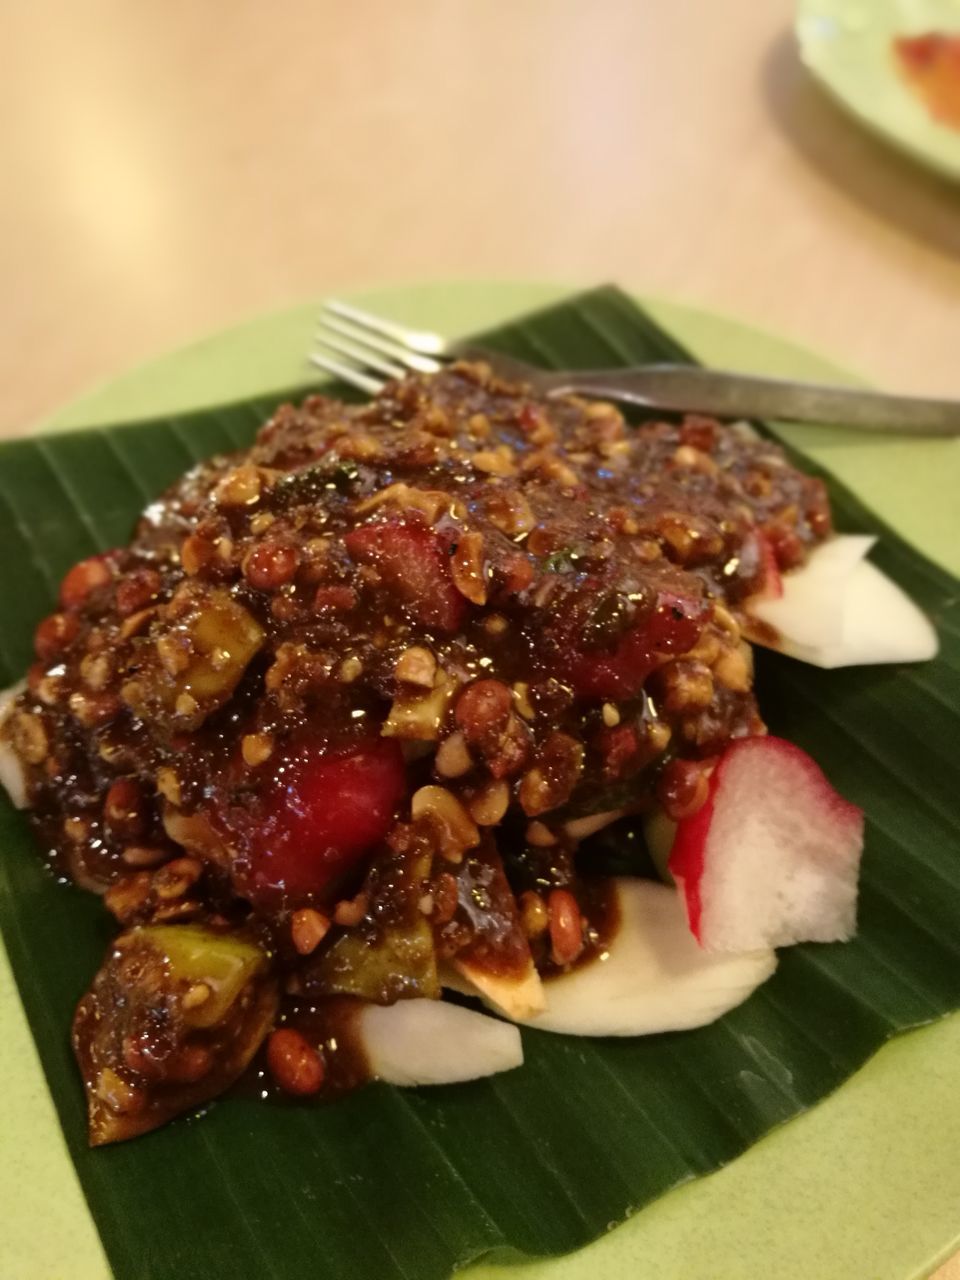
point(334, 679)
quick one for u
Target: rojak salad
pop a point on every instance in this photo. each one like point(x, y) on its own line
point(335, 735)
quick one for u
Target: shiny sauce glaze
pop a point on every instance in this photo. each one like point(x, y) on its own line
point(346, 689)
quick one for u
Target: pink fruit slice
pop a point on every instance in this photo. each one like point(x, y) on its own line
point(325, 811)
point(414, 567)
point(773, 856)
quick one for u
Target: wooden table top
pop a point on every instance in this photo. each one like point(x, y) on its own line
point(170, 169)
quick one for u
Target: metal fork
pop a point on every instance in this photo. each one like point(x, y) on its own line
point(366, 351)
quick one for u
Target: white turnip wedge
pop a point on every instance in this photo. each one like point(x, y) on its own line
point(839, 610)
point(417, 1042)
point(659, 831)
point(12, 776)
point(653, 977)
point(516, 997)
point(773, 856)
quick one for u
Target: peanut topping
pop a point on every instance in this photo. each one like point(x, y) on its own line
point(734, 668)
point(256, 748)
point(451, 823)
point(240, 487)
point(168, 784)
point(350, 669)
point(294, 1063)
point(30, 737)
point(521, 700)
point(467, 567)
point(489, 804)
point(138, 855)
point(550, 782)
point(540, 835)
point(453, 759)
point(533, 914)
point(495, 462)
point(351, 911)
point(308, 929)
point(416, 665)
point(176, 878)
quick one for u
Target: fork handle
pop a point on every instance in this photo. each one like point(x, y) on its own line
point(683, 388)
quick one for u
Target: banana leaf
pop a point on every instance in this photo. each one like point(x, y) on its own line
point(399, 1184)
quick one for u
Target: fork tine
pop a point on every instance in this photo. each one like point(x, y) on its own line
point(365, 357)
point(346, 372)
point(361, 338)
point(430, 344)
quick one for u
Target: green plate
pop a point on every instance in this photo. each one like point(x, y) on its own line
point(865, 1186)
point(847, 44)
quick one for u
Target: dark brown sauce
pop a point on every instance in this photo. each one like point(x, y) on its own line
point(599, 907)
point(331, 1027)
point(329, 674)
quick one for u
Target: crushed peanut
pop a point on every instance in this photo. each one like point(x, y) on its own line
point(453, 757)
point(416, 665)
point(256, 748)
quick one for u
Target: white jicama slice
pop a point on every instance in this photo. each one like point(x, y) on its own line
point(416, 1042)
point(515, 996)
point(653, 977)
point(839, 610)
point(659, 831)
point(13, 779)
point(773, 856)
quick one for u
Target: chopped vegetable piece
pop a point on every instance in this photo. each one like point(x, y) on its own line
point(172, 1018)
point(325, 810)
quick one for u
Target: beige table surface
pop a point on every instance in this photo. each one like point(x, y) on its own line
point(168, 169)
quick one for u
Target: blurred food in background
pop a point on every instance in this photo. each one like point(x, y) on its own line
point(930, 64)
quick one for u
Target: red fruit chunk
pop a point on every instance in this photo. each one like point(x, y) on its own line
point(672, 628)
point(414, 564)
point(773, 856)
point(325, 811)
